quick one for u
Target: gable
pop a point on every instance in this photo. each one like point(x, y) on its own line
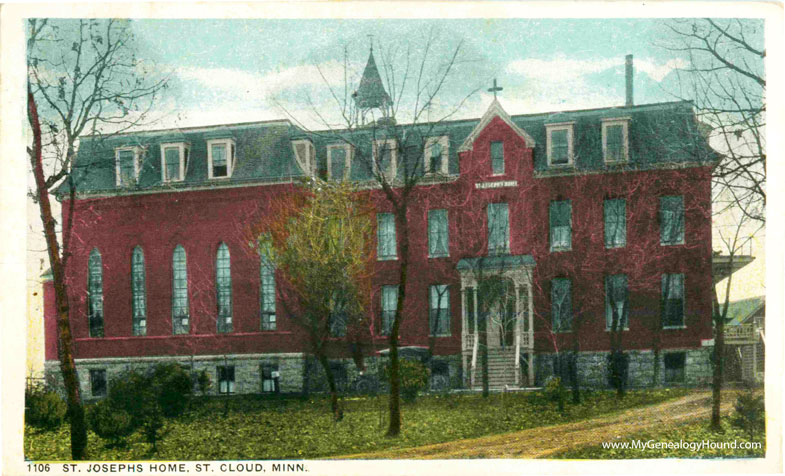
point(495, 110)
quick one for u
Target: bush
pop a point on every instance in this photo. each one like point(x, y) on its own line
point(203, 381)
point(109, 422)
point(44, 409)
point(173, 385)
point(555, 392)
point(750, 414)
point(414, 377)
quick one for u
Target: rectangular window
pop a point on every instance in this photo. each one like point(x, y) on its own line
point(226, 379)
point(389, 305)
point(497, 157)
point(338, 162)
point(98, 382)
point(498, 229)
point(270, 378)
point(614, 143)
point(337, 323)
point(470, 316)
point(615, 211)
point(440, 310)
point(673, 300)
point(172, 164)
point(616, 301)
point(559, 147)
point(672, 220)
point(436, 154)
point(268, 295)
point(386, 240)
point(127, 166)
point(385, 158)
point(438, 238)
point(220, 158)
point(560, 215)
point(561, 304)
point(674, 367)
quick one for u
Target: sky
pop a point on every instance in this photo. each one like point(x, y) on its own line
point(240, 70)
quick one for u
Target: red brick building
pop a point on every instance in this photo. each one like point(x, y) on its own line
point(574, 214)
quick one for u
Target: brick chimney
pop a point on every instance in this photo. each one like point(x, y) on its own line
point(628, 79)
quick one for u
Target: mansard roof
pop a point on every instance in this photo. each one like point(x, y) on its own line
point(663, 134)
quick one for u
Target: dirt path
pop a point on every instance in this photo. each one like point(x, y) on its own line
point(544, 441)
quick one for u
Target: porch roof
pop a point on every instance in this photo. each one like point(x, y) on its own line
point(495, 262)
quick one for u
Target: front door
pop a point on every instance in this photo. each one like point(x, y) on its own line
point(497, 300)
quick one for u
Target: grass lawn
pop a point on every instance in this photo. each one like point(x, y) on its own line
point(297, 428)
point(692, 432)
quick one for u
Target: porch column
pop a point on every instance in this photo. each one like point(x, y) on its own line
point(518, 321)
point(476, 336)
point(530, 309)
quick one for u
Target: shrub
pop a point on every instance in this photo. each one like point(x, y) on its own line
point(44, 409)
point(750, 414)
point(173, 385)
point(109, 422)
point(554, 391)
point(617, 365)
point(414, 377)
point(203, 381)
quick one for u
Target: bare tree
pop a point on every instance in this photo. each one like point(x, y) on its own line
point(733, 239)
point(726, 80)
point(408, 86)
point(83, 77)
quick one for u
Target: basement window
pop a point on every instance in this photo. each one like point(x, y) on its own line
point(98, 382)
point(226, 379)
point(674, 367)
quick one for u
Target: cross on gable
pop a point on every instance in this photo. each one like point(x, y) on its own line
point(495, 88)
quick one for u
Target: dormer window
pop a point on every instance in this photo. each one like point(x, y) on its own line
point(560, 148)
point(220, 158)
point(128, 163)
point(615, 139)
point(385, 158)
point(174, 161)
point(305, 153)
point(339, 161)
point(436, 154)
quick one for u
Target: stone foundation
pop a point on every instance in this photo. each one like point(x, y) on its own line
point(592, 368)
point(298, 373)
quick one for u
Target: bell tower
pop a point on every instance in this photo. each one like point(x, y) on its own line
point(371, 99)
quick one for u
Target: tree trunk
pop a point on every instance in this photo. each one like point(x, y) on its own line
point(335, 405)
point(76, 414)
point(718, 357)
point(395, 369)
point(573, 366)
point(483, 343)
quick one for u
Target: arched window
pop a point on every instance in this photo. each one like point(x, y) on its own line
point(95, 294)
point(180, 317)
point(223, 288)
point(138, 292)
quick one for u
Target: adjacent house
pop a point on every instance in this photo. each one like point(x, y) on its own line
point(548, 232)
point(745, 340)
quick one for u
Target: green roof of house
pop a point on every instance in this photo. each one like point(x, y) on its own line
point(740, 311)
point(658, 133)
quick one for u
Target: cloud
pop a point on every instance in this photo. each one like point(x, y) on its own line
point(563, 69)
point(239, 82)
